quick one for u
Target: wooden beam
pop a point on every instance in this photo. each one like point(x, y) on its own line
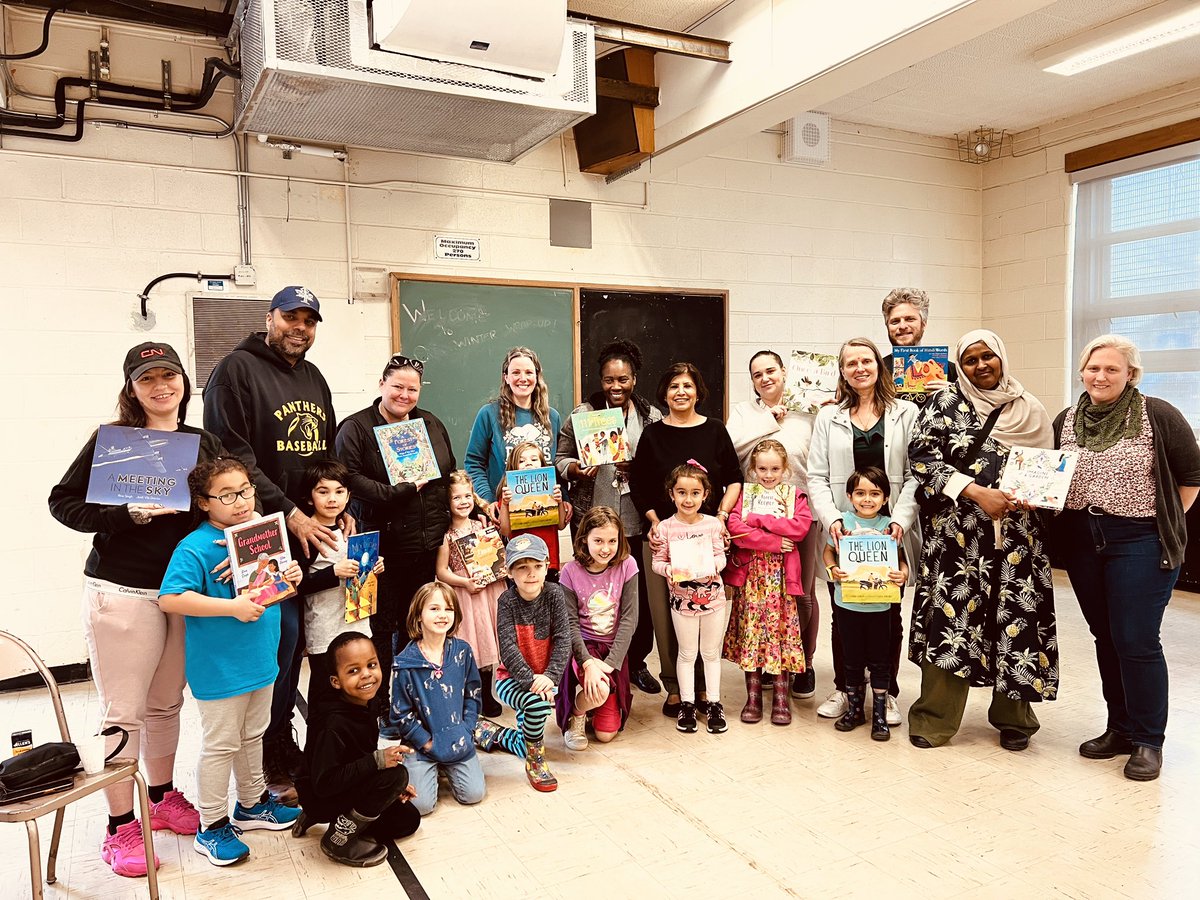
point(1134, 145)
point(645, 95)
point(145, 12)
point(676, 42)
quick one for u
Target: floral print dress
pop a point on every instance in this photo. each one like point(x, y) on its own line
point(983, 613)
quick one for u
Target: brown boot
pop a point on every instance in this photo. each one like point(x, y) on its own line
point(781, 710)
point(752, 711)
point(278, 775)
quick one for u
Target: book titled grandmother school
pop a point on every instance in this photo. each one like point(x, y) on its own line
point(142, 465)
point(258, 557)
point(866, 559)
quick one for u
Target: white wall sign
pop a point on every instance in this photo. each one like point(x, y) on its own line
point(447, 246)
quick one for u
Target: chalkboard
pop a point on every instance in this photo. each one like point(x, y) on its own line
point(667, 328)
point(462, 331)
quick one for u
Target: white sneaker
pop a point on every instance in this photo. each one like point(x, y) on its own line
point(835, 706)
point(893, 711)
point(575, 737)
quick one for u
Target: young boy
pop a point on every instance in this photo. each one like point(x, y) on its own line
point(534, 634)
point(351, 784)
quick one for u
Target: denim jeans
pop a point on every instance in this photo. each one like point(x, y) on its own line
point(1113, 563)
point(466, 780)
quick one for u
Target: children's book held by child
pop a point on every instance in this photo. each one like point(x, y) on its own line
point(258, 556)
point(914, 367)
point(600, 437)
point(811, 380)
point(362, 590)
point(779, 501)
point(482, 554)
point(866, 559)
point(533, 503)
point(1039, 477)
point(142, 465)
point(407, 452)
point(692, 559)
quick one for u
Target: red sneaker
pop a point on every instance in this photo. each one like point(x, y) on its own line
point(125, 852)
point(174, 813)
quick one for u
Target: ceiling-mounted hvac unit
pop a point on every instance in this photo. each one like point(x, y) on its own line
point(806, 139)
point(310, 73)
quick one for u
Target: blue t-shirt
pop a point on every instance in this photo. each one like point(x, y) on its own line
point(225, 657)
point(851, 522)
point(489, 445)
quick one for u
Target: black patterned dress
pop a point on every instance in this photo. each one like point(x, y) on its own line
point(982, 613)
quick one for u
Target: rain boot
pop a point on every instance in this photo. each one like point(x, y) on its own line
point(781, 710)
point(753, 711)
point(879, 725)
point(343, 843)
point(853, 716)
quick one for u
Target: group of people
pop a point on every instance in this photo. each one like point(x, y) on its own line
point(708, 540)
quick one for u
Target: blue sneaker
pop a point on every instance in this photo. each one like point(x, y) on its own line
point(221, 845)
point(269, 814)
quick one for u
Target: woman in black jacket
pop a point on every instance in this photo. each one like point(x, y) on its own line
point(411, 518)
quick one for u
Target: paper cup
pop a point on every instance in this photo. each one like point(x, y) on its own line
point(91, 752)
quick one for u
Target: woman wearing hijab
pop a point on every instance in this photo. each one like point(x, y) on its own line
point(1123, 535)
point(984, 609)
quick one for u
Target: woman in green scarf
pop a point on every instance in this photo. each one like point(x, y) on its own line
point(1124, 534)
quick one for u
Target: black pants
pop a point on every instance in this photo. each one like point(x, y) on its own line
point(403, 574)
point(643, 636)
point(896, 647)
point(374, 796)
point(866, 644)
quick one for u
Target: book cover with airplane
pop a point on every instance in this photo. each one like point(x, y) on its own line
point(142, 465)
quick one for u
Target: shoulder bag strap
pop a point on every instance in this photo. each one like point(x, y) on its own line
point(977, 445)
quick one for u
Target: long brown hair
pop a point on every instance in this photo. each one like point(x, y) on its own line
point(130, 412)
point(599, 517)
point(540, 401)
point(885, 387)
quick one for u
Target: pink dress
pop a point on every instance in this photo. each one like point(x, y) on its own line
point(478, 626)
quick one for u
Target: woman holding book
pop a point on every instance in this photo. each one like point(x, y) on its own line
point(142, 691)
point(1123, 533)
point(984, 609)
point(766, 416)
point(868, 426)
point(411, 518)
point(619, 363)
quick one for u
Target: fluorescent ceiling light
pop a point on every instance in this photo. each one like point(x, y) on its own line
point(1161, 24)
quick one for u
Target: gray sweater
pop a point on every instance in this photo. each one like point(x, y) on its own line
point(534, 635)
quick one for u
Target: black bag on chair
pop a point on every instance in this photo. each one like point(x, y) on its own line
point(45, 766)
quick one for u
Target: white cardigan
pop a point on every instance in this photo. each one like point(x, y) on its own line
point(831, 463)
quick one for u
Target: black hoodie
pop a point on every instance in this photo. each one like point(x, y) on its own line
point(277, 418)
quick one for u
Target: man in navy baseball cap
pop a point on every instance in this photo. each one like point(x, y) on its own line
point(296, 297)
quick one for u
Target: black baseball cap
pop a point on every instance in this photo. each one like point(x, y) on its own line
point(151, 355)
point(295, 296)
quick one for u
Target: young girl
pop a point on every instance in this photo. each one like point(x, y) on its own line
point(765, 630)
point(603, 618)
point(864, 628)
point(528, 455)
point(690, 556)
point(231, 646)
point(326, 484)
point(476, 601)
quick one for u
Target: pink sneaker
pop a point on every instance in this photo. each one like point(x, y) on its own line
point(125, 852)
point(174, 812)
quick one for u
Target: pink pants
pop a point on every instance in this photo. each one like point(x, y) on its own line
point(137, 663)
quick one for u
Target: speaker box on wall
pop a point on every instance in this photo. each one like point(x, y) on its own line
point(621, 133)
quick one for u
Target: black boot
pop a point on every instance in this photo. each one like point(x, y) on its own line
point(879, 726)
point(491, 706)
point(342, 842)
point(854, 713)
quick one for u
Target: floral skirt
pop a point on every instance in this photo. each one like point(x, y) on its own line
point(764, 628)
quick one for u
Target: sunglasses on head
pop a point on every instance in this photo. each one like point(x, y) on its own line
point(405, 362)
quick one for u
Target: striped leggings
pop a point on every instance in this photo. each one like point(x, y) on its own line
point(532, 712)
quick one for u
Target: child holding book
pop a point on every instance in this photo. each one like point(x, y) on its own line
point(362, 790)
point(529, 455)
point(603, 579)
point(864, 628)
point(690, 554)
point(231, 645)
point(535, 647)
point(765, 636)
point(327, 485)
point(475, 597)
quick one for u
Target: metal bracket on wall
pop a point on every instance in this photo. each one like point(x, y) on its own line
point(94, 74)
point(105, 67)
point(166, 83)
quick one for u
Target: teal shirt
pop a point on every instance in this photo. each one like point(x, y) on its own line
point(852, 522)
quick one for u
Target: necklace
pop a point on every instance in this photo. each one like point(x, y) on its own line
point(436, 663)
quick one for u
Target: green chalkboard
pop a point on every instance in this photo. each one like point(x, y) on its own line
point(462, 330)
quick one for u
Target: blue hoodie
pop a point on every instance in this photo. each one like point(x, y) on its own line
point(440, 704)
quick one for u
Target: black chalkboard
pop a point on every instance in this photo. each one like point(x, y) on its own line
point(667, 327)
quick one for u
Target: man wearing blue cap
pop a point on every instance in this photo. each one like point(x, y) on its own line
point(273, 409)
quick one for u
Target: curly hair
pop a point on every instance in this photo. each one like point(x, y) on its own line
point(540, 405)
point(202, 476)
point(915, 297)
point(626, 351)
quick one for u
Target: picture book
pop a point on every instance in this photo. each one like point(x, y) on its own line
point(141, 465)
point(692, 559)
point(779, 501)
point(600, 437)
point(362, 590)
point(1039, 477)
point(258, 556)
point(482, 554)
point(811, 380)
point(532, 502)
point(866, 559)
point(407, 452)
point(914, 367)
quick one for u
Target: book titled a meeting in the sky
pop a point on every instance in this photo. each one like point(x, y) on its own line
point(407, 452)
point(914, 367)
point(141, 465)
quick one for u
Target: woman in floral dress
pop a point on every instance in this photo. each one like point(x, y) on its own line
point(984, 609)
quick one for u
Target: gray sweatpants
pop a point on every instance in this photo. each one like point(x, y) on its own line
point(232, 731)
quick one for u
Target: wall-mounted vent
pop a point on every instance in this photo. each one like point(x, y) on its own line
point(216, 325)
point(806, 139)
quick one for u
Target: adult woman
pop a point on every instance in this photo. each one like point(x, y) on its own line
point(521, 413)
point(136, 650)
point(608, 485)
point(1123, 533)
point(411, 518)
point(766, 416)
point(868, 426)
point(683, 435)
point(984, 610)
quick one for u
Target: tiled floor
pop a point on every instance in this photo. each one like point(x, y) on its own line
point(761, 811)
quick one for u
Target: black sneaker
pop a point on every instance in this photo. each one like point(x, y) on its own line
point(686, 720)
point(716, 718)
point(702, 707)
point(804, 685)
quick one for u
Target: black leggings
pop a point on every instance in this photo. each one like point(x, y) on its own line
point(896, 647)
point(866, 638)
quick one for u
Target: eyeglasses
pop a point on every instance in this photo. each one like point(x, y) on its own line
point(405, 362)
point(246, 493)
